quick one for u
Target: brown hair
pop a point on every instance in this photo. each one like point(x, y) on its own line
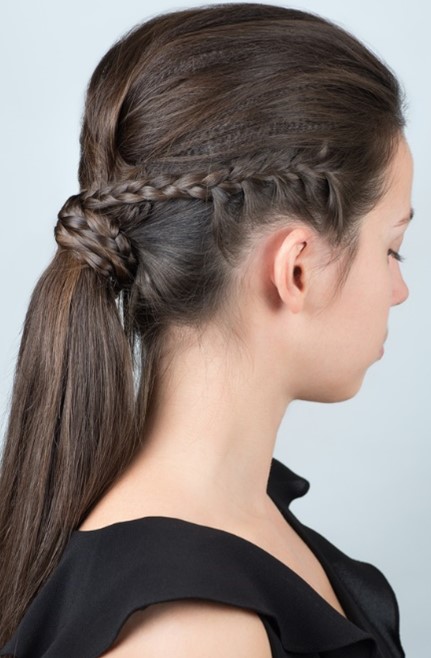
point(202, 129)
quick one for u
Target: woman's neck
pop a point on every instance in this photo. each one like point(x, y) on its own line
point(212, 428)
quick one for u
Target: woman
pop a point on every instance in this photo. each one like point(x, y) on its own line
point(245, 186)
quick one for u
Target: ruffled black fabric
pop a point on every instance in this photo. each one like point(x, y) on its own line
point(107, 574)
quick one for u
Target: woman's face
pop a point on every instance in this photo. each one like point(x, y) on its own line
point(348, 331)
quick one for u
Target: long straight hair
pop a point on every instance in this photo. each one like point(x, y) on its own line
point(200, 128)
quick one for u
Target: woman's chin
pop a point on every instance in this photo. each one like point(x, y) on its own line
point(336, 391)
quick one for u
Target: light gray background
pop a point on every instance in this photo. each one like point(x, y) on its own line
point(367, 458)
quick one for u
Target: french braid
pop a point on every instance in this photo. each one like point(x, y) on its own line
point(86, 226)
point(97, 240)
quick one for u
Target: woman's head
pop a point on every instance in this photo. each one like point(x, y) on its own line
point(324, 336)
point(205, 129)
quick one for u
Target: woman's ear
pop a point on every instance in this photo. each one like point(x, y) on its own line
point(290, 271)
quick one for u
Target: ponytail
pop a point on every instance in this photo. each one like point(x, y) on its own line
point(71, 427)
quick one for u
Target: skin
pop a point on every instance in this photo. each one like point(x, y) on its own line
point(210, 438)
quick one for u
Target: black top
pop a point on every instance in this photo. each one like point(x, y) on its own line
point(105, 575)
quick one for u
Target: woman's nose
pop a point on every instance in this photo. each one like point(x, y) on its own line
point(400, 291)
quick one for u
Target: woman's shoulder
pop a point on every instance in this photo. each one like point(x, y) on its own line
point(151, 565)
point(189, 629)
point(106, 576)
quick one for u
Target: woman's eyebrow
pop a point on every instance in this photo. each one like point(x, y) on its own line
point(407, 219)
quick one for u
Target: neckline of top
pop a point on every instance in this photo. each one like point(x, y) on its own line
point(283, 486)
point(294, 486)
point(282, 483)
point(281, 479)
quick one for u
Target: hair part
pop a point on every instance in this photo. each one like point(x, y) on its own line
point(203, 130)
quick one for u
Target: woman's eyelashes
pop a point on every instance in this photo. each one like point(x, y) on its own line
point(396, 255)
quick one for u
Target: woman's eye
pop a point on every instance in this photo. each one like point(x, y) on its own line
point(395, 255)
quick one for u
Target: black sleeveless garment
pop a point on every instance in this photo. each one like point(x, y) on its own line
point(105, 575)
